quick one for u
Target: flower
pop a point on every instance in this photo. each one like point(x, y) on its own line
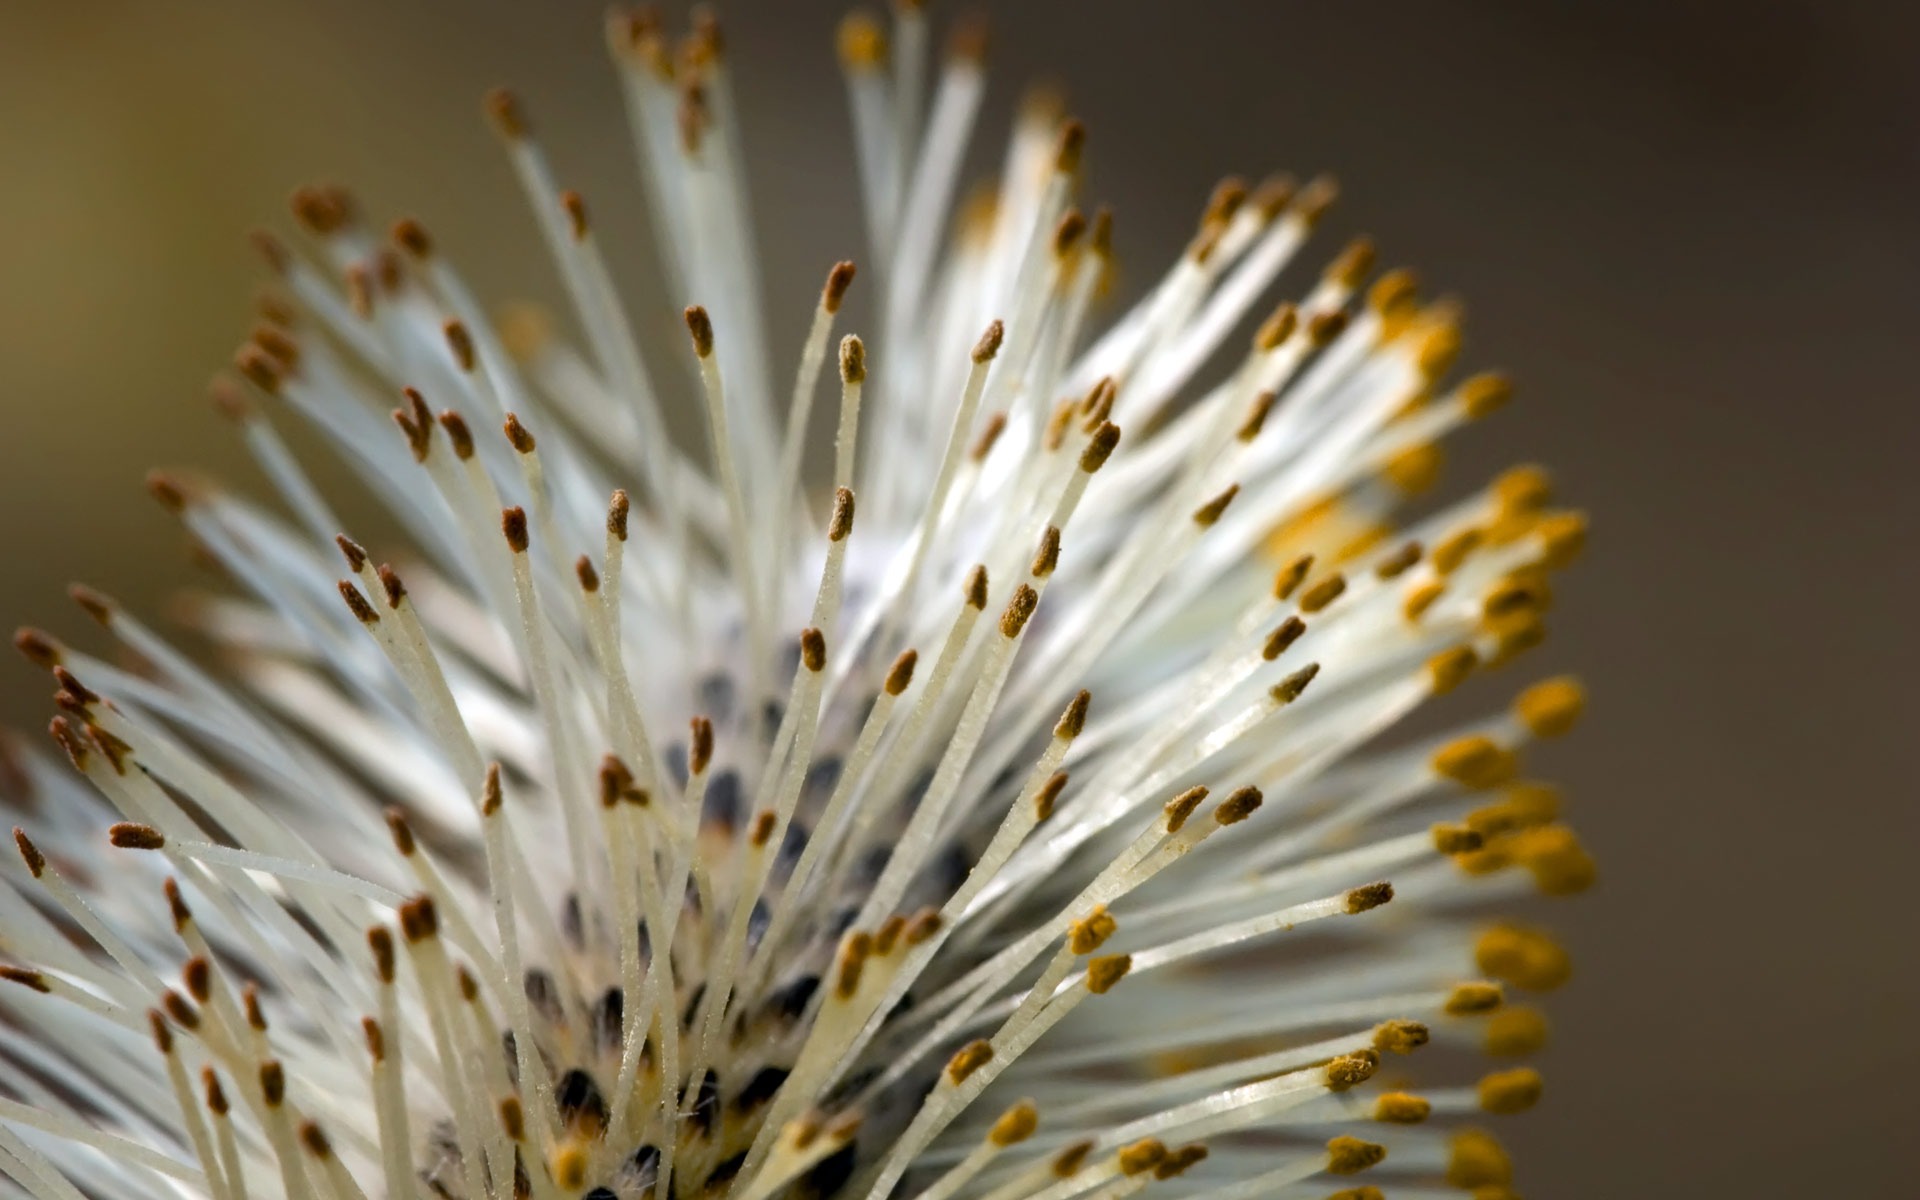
point(628, 847)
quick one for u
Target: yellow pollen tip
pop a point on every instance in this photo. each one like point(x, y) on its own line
point(862, 42)
point(1352, 1070)
point(569, 1166)
point(1015, 1125)
point(1347, 1155)
point(1506, 1092)
point(1400, 1037)
point(1560, 865)
point(1453, 550)
point(1471, 999)
point(1552, 707)
point(1526, 958)
point(1562, 537)
point(1421, 597)
point(1523, 805)
point(1449, 669)
point(1515, 1032)
point(1523, 489)
point(1359, 1193)
point(1142, 1156)
point(1103, 973)
point(1415, 470)
point(1401, 1108)
point(1476, 761)
point(1089, 934)
point(968, 1059)
point(1476, 1159)
point(1484, 395)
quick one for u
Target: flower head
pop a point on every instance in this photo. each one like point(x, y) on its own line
point(1013, 817)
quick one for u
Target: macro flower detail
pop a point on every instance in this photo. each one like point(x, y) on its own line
point(1009, 806)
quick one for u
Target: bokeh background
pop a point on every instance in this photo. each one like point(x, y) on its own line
point(1691, 229)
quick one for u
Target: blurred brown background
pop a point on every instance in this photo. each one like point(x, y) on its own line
point(1691, 230)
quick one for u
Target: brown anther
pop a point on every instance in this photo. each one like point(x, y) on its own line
point(1074, 719)
point(27, 979)
point(1289, 578)
point(504, 111)
point(1238, 806)
point(886, 939)
point(841, 523)
point(853, 359)
point(1394, 292)
point(1323, 593)
point(1048, 796)
point(839, 279)
point(131, 835)
point(1178, 809)
point(273, 1083)
point(1107, 970)
point(216, 1095)
point(357, 604)
point(376, 1039)
point(1069, 147)
point(988, 346)
point(1288, 690)
point(177, 906)
point(1018, 610)
point(271, 250)
point(1180, 1160)
point(169, 490)
point(923, 925)
point(1099, 448)
point(1142, 1156)
point(1369, 897)
point(1324, 327)
point(1399, 562)
point(575, 207)
point(968, 1059)
point(197, 974)
point(513, 523)
point(1070, 1159)
point(179, 1011)
point(1256, 417)
point(813, 649)
point(315, 1140)
point(617, 510)
point(1207, 514)
point(1284, 635)
point(459, 436)
point(79, 691)
point(854, 953)
point(700, 328)
point(380, 944)
point(1046, 556)
point(352, 551)
point(517, 435)
point(490, 795)
point(975, 588)
point(419, 919)
point(589, 578)
point(700, 753)
point(900, 675)
point(513, 1119)
point(30, 853)
point(391, 585)
point(156, 1020)
point(990, 431)
point(761, 831)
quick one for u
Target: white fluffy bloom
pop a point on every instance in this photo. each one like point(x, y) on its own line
point(729, 841)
